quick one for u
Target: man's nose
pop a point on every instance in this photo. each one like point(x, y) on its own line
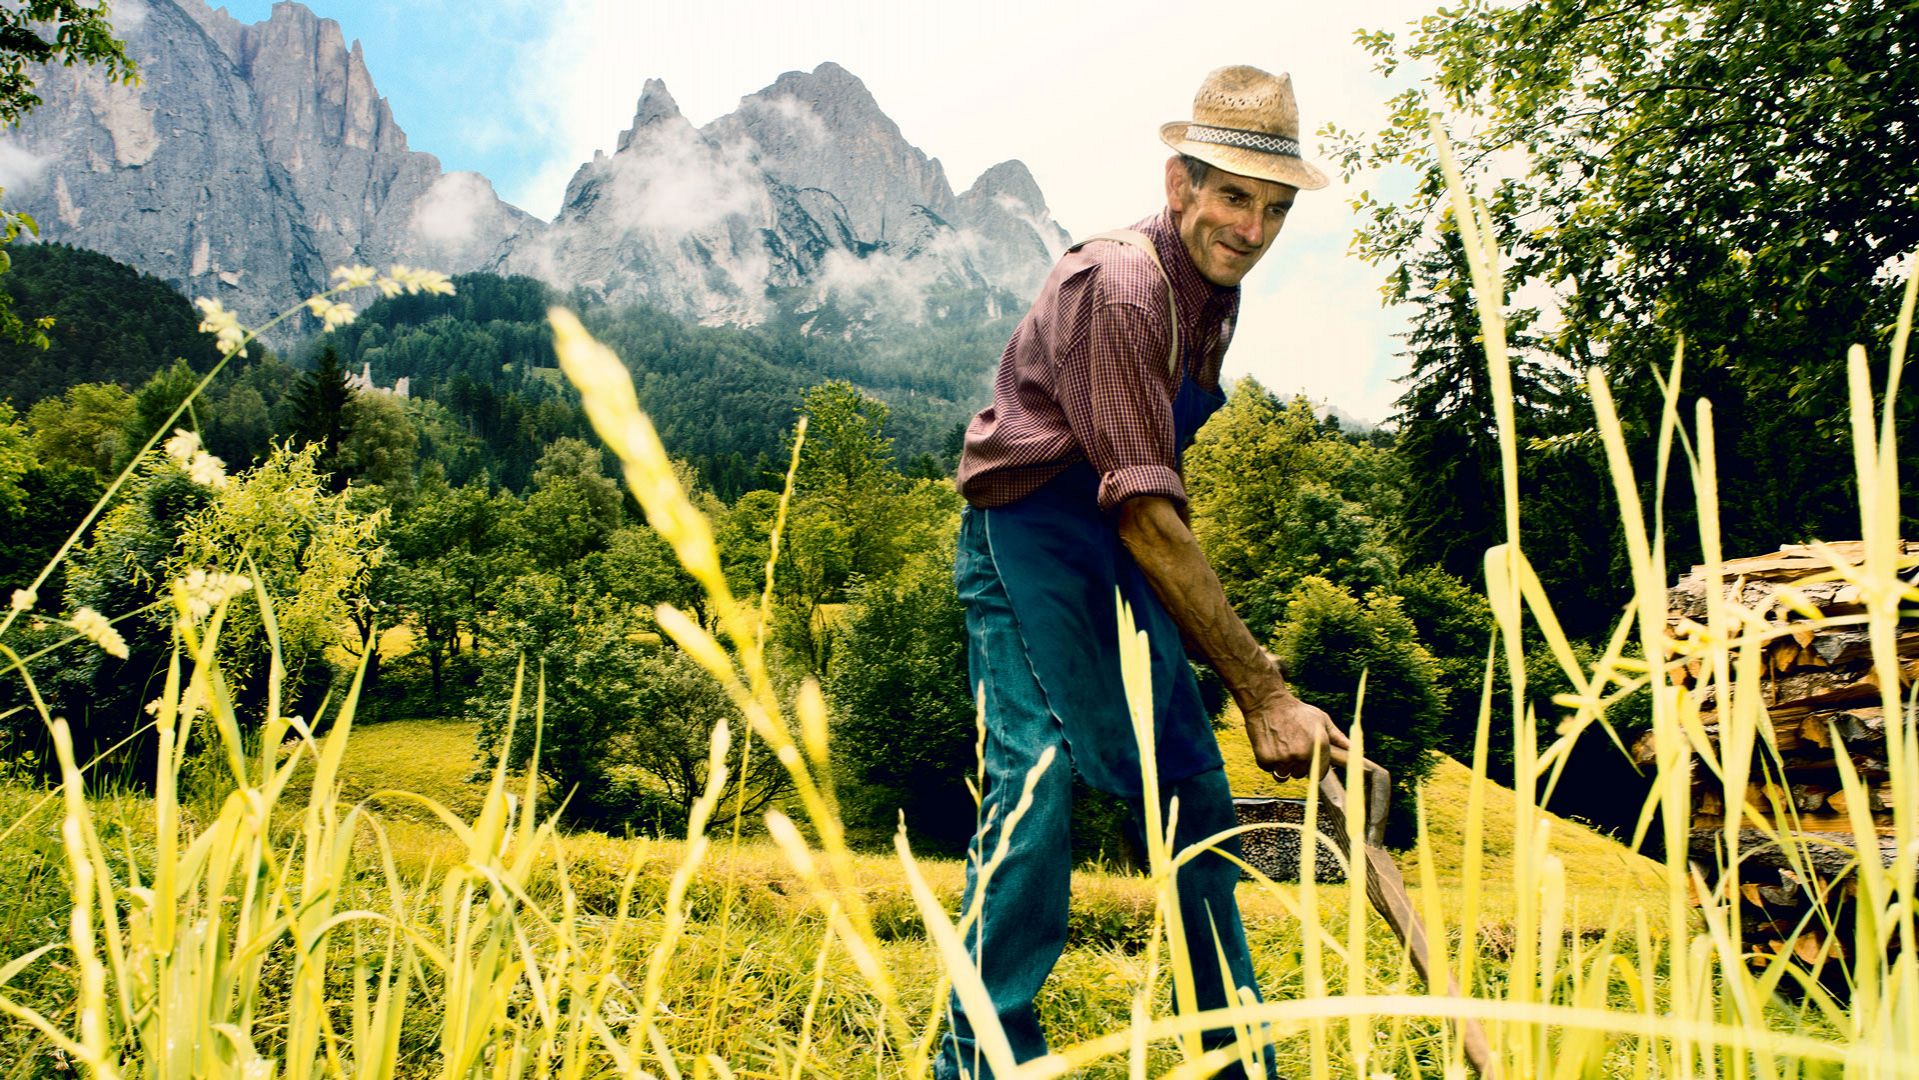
point(1251, 229)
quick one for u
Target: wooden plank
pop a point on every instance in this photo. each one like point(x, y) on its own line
point(1844, 647)
point(1808, 796)
point(1797, 693)
point(1838, 823)
point(1806, 947)
point(1878, 798)
point(1822, 823)
point(1857, 726)
point(1782, 655)
point(1758, 592)
point(1802, 560)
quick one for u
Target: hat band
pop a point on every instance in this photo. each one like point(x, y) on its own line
point(1244, 140)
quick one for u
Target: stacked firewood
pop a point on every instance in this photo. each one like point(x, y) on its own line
point(1275, 851)
point(1822, 699)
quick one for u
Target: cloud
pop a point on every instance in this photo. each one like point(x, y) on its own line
point(671, 182)
point(879, 283)
point(897, 285)
point(799, 117)
point(1310, 323)
point(674, 220)
point(20, 168)
point(453, 210)
point(129, 16)
point(486, 133)
point(887, 285)
point(1033, 218)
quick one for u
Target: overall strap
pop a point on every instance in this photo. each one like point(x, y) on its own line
point(1135, 238)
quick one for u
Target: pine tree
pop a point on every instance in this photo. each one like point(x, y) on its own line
point(1448, 431)
point(1448, 444)
point(317, 408)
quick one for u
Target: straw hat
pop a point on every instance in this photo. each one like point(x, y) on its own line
point(1246, 121)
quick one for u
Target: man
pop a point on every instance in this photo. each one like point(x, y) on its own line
point(1072, 479)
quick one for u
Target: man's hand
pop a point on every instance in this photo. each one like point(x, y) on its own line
point(1286, 731)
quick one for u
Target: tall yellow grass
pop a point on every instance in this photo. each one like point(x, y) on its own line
point(277, 936)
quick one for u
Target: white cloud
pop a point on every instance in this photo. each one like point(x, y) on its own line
point(673, 183)
point(891, 286)
point(129, 16)
point(452, 211)
point(1041, 223)
point(878, 284)
point(20, 168)
point(487, 132)
point(1313, 326)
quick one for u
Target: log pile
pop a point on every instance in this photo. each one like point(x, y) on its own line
point(1275, 852)
point(1822, 700)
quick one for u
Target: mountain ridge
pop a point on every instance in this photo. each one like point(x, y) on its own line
point(255, 157)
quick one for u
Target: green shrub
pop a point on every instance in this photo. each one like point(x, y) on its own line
point(904, 731)
point(625, 722)
point(1330, 640)
point(1455, 624)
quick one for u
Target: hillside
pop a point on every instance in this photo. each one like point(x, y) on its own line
point(723, 398)
point(1595, 863)
point(111, 323)
point(436, 758)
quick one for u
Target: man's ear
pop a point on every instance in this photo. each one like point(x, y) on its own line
point(1179, 186)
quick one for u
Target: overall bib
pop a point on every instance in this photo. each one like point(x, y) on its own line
point(1038, 579)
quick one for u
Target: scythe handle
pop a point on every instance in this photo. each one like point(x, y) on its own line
point(1387, 891)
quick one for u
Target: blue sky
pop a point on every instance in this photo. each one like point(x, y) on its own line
point(523, 91)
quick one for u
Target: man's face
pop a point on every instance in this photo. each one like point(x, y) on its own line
point(1228, 222)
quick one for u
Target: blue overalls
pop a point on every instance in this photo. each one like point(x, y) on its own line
point(1037, 578)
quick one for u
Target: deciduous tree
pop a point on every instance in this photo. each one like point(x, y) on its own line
point(1331, 641)
point(904, 730)
point(1736, 173)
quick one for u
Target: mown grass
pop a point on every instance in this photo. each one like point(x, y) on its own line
point(751, 957)
point(1600, 872)
point(435, 758)
point(749, 960)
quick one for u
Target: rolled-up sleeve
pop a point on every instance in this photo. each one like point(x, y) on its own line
point(1118, 400)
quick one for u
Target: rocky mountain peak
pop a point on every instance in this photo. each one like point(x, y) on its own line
point(823, 129)
point(837, 96)
point(310, 85)
point(249, 161)
point(807, 197)
point(656, 106)
point(218, 24)
point(1018, 237)
point(1008, 180)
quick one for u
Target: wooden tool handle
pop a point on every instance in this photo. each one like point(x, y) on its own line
point(1387, 891)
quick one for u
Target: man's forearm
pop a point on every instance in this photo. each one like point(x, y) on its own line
point(1166, 551)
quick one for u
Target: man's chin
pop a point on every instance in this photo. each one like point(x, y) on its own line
point(1228, 272)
